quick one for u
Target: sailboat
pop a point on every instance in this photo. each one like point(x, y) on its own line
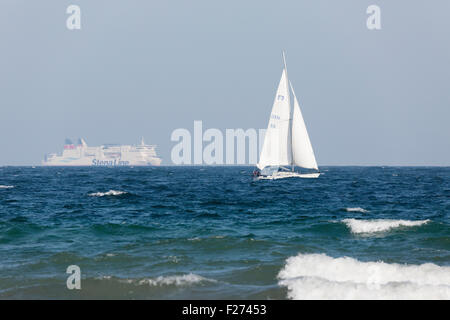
point(286, 143)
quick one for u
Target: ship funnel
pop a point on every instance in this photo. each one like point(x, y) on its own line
point(81, 142)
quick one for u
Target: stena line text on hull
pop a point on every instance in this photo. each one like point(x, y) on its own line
point(81, 154)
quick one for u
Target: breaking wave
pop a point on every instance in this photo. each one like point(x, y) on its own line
point(318, 276)
point(176, 280)
point(5, 187)
point(109, 193)
point(379, 225)
point(357, 209)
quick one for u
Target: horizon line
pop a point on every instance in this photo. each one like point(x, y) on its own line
point(227, 165)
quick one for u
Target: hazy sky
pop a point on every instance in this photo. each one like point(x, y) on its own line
point(144, 68)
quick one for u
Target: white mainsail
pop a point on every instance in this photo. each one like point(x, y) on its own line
point(287, 141)
point(302, 151)
point(276, 150)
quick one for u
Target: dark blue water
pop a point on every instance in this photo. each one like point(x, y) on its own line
point(214, 232)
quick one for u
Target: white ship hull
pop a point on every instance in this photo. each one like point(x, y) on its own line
point(290, 174)
point(100, 163)
point(104, 156)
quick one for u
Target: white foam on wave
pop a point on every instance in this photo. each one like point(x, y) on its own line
point(318, 276)
point(5, 187)
point(109, 193)
point(379, 225)
point(357, 209)
point(176, 280)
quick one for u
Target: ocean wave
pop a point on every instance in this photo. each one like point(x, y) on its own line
point(357, 209)
point(5, 186)
point(109, 193)
point(175, 280)
point(379, 225)
point(318, 276)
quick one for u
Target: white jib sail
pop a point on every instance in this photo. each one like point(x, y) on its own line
point(302, 151)
point(276, 150)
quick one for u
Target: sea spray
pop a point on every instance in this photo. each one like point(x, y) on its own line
point(379, 225)
point(357, 209)
point(109, 193)
point(176, 280)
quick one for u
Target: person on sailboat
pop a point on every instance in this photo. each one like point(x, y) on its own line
point(256, 173)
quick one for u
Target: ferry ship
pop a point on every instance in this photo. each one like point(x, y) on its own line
point(81, 154)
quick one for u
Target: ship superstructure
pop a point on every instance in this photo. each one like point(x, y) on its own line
point(81, 154)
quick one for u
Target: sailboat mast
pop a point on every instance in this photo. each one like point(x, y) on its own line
point(290, 110)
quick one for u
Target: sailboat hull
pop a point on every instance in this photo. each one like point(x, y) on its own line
point(290, 174)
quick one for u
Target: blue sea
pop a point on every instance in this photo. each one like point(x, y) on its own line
point(216, 233)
